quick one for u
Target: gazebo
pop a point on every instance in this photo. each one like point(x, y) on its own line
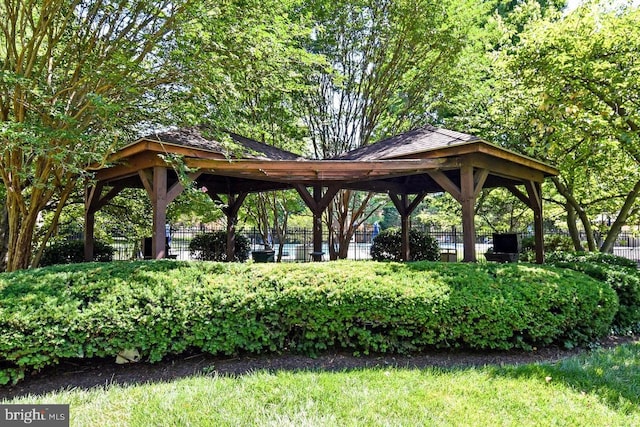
point(407, 167)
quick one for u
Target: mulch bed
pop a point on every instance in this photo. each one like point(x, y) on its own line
point(86, 374)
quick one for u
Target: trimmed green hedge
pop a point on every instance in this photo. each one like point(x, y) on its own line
point(163, 307)
point(620, 273)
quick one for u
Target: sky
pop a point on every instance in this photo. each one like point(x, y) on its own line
point(572, 4)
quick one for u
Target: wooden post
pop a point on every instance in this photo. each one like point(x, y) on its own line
point(317, 203)
point(405, 227)
point(467, 190)
point(159, 202)
point(470, 186)
point(89, 222)
point(533, 199)
point(534, 190)
point(317, 224)
point(232, 218)
point(93, 202)
point(405, 209)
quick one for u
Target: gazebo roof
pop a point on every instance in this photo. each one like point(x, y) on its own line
point(432, 142)
point(176, 140)
point(405, 163)
point(426, 138)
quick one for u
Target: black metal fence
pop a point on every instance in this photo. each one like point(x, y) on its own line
point(297, 245)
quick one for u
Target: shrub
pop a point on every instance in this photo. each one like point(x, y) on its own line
point(552, 243)
point(592, 257)
point(72, 251)
point(620, 273)
point(165, 307)
point(387, 246)
point(213, 247)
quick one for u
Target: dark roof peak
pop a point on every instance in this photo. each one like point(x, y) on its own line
point(192, 137)
point(425, 138)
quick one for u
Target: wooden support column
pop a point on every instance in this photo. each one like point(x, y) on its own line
point(93, 202)
point(533, 199)
point(534, 189)
point(317, 224)
point(467, 189)
point(154, 181)
point(317, 203)
point(405, 209)
point(91, 195)
point(471, 183)
point(159, 203)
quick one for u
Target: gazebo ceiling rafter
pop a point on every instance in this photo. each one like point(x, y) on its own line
point(418, 162)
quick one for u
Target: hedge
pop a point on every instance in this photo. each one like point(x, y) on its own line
point(167, 307)
point(620, 273)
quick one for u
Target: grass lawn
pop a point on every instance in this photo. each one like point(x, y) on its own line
point(601, 388)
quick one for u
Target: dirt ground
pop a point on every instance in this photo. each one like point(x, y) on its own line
point(85, 374)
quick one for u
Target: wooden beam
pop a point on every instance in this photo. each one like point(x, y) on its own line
point(495, 154)
point(533, 199)
point(416, 201)
point(307, 198)
point(533, 191)
point(447, 185)
point(519, 194)
point(130, 167)
point(317, 170)
point(115, 190)
point(405, 209)
point(317, 206)
point(177, 188)
point(479, 178)
point(317, 203)
point(146, 177)
point(317, 224)
point(506, 168)
point(92, 196)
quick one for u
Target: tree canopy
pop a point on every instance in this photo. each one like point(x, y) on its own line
point(79, 79)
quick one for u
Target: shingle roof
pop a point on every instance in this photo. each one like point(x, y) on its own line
point(419, 140)
point(247, 148)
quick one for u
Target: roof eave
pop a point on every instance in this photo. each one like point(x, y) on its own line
point(482, 146)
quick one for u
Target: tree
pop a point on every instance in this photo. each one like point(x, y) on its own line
point(574, 83)
point(4, 229)
point(389, 62)
point(260, 45)
point(73, 76)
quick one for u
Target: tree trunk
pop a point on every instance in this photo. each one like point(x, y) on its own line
point(4, 237)
point(573, 228)
point(20, 240)
point(621, 219)
point(582, 214)
point(348, 217)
